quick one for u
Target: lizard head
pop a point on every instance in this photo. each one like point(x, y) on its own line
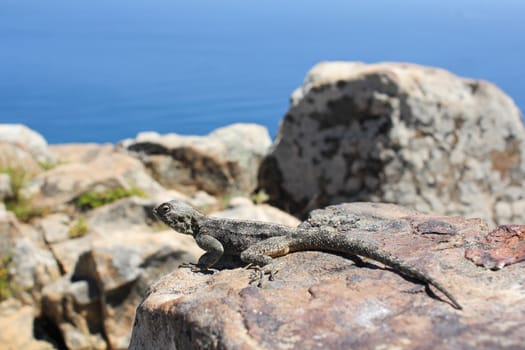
point(179, 216)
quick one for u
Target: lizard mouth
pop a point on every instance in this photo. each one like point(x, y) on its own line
point(161, 216)
point(157, 214)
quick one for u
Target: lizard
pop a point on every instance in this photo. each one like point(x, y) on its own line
point(258, 243)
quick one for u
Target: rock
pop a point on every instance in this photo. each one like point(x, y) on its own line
point(80, 152)
point(244, 209)
point(28, 262)
point(6, 190)
point(18, 160)
point(321, 300)
point(503, 246)
point(54, 227)
point(125, 214)
point(16, 323)
point(93, 304)
point(10, 230)
point(61, 185)
point(26, 139)
point(130, 214)
point(223, 162)
point(202, 200)
point(31, 267)
point(399, 133)
point(67, 252)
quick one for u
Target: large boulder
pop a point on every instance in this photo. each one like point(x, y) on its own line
point(399, 133)
point(223, 162)
point(320, 300)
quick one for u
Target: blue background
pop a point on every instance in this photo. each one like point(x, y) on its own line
point(103, 70)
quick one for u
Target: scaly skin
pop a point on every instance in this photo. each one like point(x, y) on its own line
point(257, 243)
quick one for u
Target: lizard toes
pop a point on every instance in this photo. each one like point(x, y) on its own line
point(256, 276)
point(197, 268)
point(188, 265)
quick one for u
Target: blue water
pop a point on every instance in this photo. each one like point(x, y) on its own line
point(103, 70)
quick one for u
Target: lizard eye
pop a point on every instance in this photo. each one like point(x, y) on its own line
point(164, 208)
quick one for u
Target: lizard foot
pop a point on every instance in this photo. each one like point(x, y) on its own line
point(197, 268)
point(258, 273)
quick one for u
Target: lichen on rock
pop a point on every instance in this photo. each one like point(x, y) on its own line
point(399, 133)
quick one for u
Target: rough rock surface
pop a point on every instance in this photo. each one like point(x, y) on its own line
point(223, 162)
point(93, 303)
point(15, 157)
point(27, 139)
point(6, 189)
point(16, 323)
point(321, 300)
point(503, 246)
point(399, 133)
point(59, 186)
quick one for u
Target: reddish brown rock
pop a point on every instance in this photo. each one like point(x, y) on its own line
point(321, 300)
point(503, 246)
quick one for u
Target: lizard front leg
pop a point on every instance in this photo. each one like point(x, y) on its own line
point(260, 257)
point(214, 251)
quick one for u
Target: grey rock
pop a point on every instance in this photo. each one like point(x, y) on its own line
point(16, 157)
point(127, 213)
point(67, 252)
point(93, 303)
point(399, 133)
point(30, 269)
point(10, 231)
point(6, 190)
point(27, 139)
point(54, 227)
point(225, 161)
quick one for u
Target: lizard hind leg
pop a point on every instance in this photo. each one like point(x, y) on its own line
point(260, 257)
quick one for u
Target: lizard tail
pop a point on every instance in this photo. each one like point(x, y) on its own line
point(411, 271)
point(342, 243)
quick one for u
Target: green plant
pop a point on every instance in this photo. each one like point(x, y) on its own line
point(224, 200)
point(260, 197)
point(19, 178)
point(5, 287)
point(24, 210)
point(79, 228)
point(91, 200)
point(47, 165)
